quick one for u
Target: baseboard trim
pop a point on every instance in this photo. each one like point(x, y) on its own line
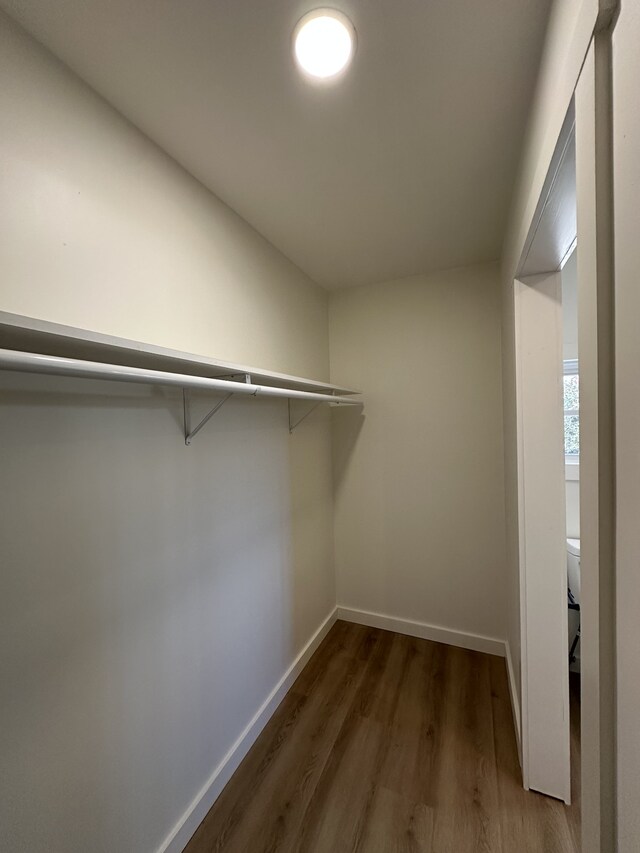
point(515, 705)
point(180, 835)
point(475, 642)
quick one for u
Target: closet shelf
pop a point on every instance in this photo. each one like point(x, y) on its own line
point(28, 334)
point(20, 332)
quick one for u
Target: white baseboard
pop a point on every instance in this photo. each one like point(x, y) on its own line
point(515, 704)
point(180, 835)
point(475, 642)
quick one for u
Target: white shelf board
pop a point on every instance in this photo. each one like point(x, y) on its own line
point(27, 334)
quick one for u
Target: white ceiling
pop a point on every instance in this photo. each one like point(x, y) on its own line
point(405, 166)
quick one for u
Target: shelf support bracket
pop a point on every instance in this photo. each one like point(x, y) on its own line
point(189, 433)
point(235, 377)
point(294, 424)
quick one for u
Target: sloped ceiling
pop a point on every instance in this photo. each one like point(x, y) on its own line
point(404, 166)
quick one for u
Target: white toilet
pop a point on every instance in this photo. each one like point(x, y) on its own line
point(573, 567)
point(573, 582)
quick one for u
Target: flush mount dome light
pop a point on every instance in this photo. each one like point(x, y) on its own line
point(323, 43)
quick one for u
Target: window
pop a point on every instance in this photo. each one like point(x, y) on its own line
point(571, 384)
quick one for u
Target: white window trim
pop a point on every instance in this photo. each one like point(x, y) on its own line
point(571, 463)
point(571, 468)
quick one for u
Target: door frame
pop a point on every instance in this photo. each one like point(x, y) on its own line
point(591, 94)
point(542, 536)
point(596, 340)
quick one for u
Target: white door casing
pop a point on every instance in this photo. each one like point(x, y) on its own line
point(543, 555)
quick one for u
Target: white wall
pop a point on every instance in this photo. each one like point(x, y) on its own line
point(151, 595)
point(104, 231)
point(626, 117)
point(572, 496)
point(570, 307)
point(419, 514)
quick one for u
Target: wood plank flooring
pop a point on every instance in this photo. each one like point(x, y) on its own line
point(388, 744)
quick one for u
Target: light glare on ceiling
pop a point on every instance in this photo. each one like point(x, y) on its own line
point(324, 42)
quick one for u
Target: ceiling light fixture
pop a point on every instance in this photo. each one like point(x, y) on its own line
point(324, 43)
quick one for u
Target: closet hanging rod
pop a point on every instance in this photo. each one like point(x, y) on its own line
point(29, 362)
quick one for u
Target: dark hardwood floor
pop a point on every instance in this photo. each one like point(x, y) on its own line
point(388, 744)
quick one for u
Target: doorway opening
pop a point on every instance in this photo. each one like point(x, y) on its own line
point(571, 430)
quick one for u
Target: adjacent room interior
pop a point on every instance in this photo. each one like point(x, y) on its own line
point(310, 374)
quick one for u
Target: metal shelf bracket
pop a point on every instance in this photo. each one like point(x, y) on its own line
point(189, 433)
point(293, 424)
point(235, 377)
